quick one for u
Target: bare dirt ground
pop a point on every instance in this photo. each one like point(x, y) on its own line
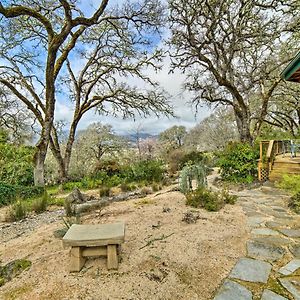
point(189, 264)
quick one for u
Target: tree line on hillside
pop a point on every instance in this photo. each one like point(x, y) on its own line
point(232, 54)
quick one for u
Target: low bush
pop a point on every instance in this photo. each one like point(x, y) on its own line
point(211, 201)
point(192, 158)
point(238, 162)
point(9, 193)
point(145, 170)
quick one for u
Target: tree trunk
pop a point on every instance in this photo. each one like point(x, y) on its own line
point(243, 125)
point(39, 167)
point(63, 161)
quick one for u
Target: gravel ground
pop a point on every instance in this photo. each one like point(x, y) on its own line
point(190, 263)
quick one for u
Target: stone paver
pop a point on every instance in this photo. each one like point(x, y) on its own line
point(295, 249)
point(293, 233)
point(264, 251)
point(290, 286)
point(269, 295)
point(290, 268)
point(273, 240)
point(264, 231)
point(252, 270)
point(276, 224)
point(256, 221)
point(231, 290)
point(274, 231)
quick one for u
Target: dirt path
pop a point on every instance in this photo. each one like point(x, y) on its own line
point(190, 264)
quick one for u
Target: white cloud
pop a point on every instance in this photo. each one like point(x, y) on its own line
point(172, 83)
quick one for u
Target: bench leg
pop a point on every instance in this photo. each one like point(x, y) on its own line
point(76, 259)
point(112, 257)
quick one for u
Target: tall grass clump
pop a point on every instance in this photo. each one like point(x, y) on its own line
point(16, 211)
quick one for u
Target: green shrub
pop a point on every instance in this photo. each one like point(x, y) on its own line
point(227, 198)
point(294, 202)
point(17, 211)
point(211, 201)
point(203, 198)
point(192, 158)
point(9, 193)
point(238, 163)
point(16, 166)
point(39, 205)
point(145, 170)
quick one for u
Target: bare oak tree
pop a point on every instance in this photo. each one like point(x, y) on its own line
point(231, 53)
point(39, 39)
point(284, 109)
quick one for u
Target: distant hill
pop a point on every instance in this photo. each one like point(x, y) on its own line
point(142, 135)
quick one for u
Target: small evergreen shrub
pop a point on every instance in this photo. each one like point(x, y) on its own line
point(294, 202)
point(211, 201)
point(238, 162)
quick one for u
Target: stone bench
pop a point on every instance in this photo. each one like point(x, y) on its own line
point(94, 240)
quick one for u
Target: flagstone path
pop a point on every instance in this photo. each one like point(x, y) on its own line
point(271, 269)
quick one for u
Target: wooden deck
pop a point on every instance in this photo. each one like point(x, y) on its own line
point(287, 159)
point(284, 165)
point(275, 159)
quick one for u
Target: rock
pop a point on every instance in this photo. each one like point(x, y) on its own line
point(231, 290)
point(295, 249)
point(264, 231)
point(264, 251)
point(289, 284)
point(290, 268)
point(255, 221)
point(273, 240)
point(252, 270)
point(76, 197)
point(293, 233)
point(269, 295)
point(276, 224)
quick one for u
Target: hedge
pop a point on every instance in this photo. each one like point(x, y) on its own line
point(9, 193)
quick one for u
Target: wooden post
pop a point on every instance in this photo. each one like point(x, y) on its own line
point(260, 151)
point(77, 261)
point(112, 258)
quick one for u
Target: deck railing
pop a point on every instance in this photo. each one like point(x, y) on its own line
point(268, 151)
